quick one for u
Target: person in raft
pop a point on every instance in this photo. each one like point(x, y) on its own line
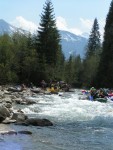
point(93, 93)
point(43, 84)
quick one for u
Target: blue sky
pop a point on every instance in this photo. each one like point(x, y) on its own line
point(76, 16)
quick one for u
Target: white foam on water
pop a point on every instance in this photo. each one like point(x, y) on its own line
point(70, 108)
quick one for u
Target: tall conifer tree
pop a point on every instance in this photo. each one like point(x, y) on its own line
point(48, 35)
point(92, 55)
point(94, 43)
point(48, 45)
point(105, 71)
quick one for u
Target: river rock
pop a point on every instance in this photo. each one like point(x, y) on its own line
point(24, 132)
point(2, 118)
point(38, 122)
point(8, 132)
point(19, 117)
point(24, 101)
point(8, 105)
point(8, 121)
point(4, 112)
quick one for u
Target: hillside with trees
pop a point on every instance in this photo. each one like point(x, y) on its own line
point(26, 58)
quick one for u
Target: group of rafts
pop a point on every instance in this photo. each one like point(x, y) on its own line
point(52, 90)
point(101, 95)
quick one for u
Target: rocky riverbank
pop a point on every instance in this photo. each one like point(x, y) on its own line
point(10, 97)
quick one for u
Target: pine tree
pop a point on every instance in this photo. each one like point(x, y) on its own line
point(92, 55)
point(48, 36)
point(105, 71)
point(94, 43)
point(48, 46)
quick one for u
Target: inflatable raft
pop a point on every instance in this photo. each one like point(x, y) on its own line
point(103, 100)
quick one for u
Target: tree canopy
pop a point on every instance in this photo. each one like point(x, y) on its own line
point(105, 70)
point(92, 56)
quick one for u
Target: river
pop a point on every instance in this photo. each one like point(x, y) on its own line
point(78, 125)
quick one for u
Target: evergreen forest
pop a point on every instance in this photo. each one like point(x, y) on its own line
point(26, 58)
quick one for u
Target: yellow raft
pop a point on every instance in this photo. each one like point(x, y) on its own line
point(53, 90)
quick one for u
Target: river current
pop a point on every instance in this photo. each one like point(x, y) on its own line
point(78, 125)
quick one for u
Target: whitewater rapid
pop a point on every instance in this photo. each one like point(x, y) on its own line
point(77, 124)
point(69, 108)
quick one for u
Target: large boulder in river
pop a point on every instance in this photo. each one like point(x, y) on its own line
point(19, 117)
point(2, 118)
point(38, 122)
point(4, 113)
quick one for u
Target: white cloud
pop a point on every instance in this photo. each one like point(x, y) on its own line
point(62, 25)
point(25, 24)
point(85, 25)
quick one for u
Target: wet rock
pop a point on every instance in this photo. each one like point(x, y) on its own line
point(25, 132)
point(1, 118)
point(8, 121)
point(29, 102)
point(21, 123)
point(4, 113)
point(8, 100)
point(19, 117)
point(8, 132)
point(8, 105)
point(38, 122)
point(18, 101)
point(25, 101)
point(12, 97)
point(20, 111)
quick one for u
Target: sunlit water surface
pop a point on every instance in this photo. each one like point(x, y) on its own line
point(78, 125)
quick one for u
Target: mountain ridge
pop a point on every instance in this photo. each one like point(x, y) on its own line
point(71, 43)
point(5, 27)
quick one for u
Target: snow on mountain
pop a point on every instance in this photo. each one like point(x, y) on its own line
point(72, 44)
point(8, 28)
point(85, 35)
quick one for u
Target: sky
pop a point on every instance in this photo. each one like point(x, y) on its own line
point(76, 16)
